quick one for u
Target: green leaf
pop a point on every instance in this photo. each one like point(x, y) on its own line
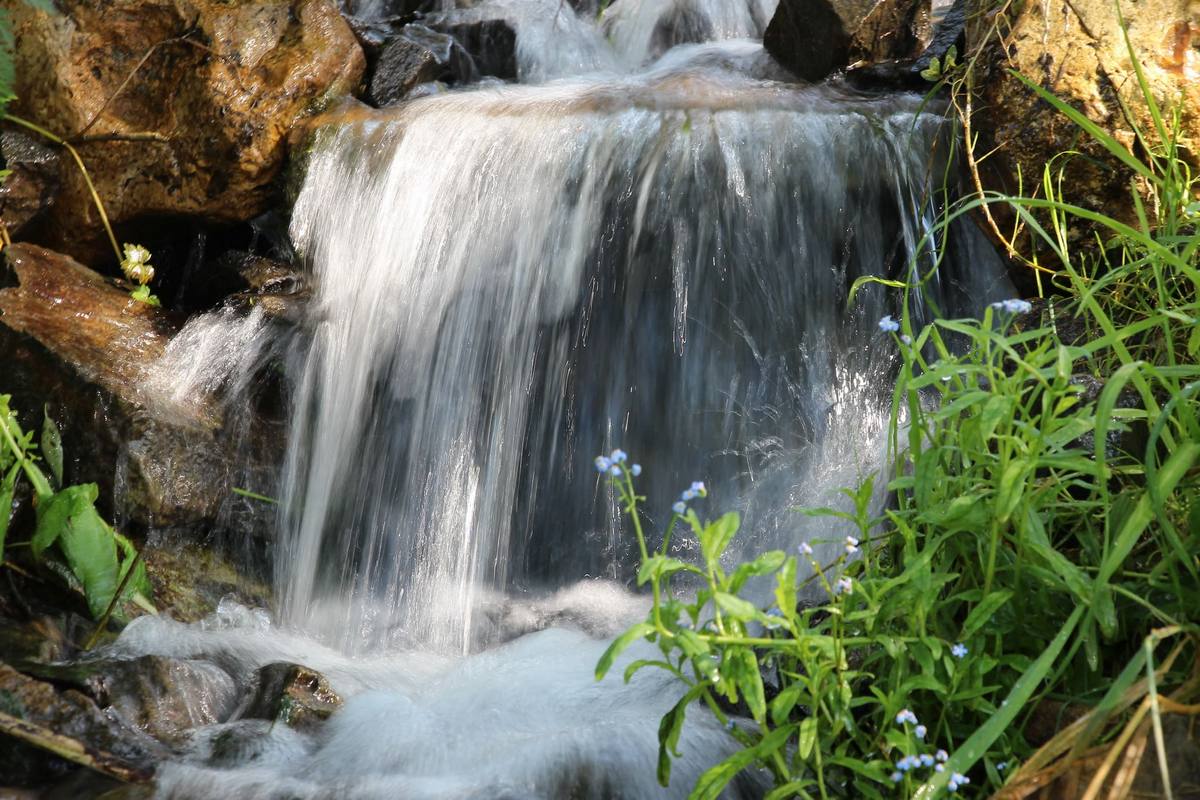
point(735, 606)
point(669, 729)
point(785, 587)
point(808, 738)
point(981, 613)
point(52, 446)
point(659, 566)
point(91, 552)
point(716, 536)
point(713, 782)
point(139, 585)
point(55, 512)
point(638, 631)
point(7, 488)
point(763, 565)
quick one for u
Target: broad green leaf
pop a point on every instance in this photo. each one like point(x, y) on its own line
point(55, 512)
point(91, 552)
point(51, 447)
point(638, 631)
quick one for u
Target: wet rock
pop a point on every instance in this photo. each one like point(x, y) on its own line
point(491, 43)
point(201, 127)
point(402, 65)
point(37, 640)
point(190, 580)
point(71, 714)
point(33, 183)
point(812, 38)
point(292, 694)
point(949, 31)
point(75, 338)
point(165, 697)
point(1076, 50)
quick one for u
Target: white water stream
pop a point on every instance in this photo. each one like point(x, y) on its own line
point(646, 252)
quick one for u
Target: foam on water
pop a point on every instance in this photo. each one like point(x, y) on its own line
point(522, 720)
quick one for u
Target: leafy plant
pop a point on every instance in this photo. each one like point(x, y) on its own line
point(1039, 549)
point(105, 563)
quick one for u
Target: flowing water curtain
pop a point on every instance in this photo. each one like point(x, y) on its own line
point(509, 279)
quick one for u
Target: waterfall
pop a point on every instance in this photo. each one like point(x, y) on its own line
point(647, 243)
point(512, 279)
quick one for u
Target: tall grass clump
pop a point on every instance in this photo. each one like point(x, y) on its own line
point(1026, 607)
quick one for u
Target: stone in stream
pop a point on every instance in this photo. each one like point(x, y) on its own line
point(491, 42)
point(292, 694)
point(201, 127)
point(402, 65)
point(812, 38)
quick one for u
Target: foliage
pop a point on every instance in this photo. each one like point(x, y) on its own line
point(98, 557)
point(1040, 547)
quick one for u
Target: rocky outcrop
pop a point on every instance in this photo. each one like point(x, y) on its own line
point(72, 337)
point(1075, 49)
point(176, 106)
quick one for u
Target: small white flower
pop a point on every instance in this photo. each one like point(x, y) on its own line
point(888, 325)
point(136, 264)
point(805, 549)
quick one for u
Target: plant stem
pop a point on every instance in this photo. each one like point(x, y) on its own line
point(112, 238)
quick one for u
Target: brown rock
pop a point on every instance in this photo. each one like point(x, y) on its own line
point(201, 126)
point(893, 30)
point(73, 338)
point(294, 695)
point(1076, 50)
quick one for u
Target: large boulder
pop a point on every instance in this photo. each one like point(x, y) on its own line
point(200, 127)
point(1076, 50)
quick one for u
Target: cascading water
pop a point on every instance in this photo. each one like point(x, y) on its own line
point(510, 280)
